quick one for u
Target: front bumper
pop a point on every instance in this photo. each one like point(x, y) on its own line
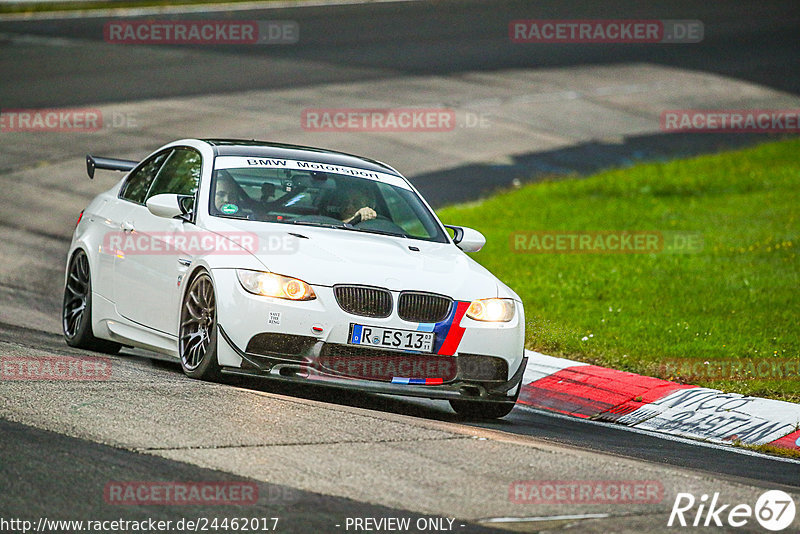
point(323, 328)
point(276, 368)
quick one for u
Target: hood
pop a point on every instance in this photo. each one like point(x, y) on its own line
point(329, 256)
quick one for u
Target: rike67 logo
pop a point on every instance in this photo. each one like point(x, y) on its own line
point(774, 510)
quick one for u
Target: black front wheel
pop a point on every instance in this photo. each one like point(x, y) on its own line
point(197, 342)
point(481, 410)
point(76, 309)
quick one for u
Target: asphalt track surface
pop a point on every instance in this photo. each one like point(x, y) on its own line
point(754, 41)
point(31, 488)
point(48, 474)
point(57, 474)
point(748, 41)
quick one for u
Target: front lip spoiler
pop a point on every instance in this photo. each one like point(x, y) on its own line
point(300, 373)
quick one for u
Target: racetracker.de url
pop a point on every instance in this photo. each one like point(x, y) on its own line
point(141, 526)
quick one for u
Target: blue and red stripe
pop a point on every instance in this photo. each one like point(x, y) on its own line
point(449, 332)
point(418, 381)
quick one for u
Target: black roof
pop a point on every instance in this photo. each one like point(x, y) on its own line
point(263, 149)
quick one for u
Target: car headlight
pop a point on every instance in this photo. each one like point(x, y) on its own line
point(493, 310)
point(274, 285)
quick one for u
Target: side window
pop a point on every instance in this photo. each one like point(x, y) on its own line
point(135, 187)
point(180, 175)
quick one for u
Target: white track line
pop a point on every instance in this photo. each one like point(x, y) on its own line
point(542, 518)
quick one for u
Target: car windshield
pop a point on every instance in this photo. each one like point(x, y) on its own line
point(315, 198)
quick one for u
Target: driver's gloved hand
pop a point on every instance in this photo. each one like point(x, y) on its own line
point(363, 214)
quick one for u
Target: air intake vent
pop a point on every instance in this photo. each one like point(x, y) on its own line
point(479, 367)
point(423, 307)
point(273, 343)
point(363, 300)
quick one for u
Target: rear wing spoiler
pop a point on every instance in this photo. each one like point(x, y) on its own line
point(112, 164)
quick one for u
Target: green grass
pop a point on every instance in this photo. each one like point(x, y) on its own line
point(771, 449)
point(735, 301)
point(39, 7)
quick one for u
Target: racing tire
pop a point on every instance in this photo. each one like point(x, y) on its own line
point(76, 309)
point(481, 410)
point(197, 336)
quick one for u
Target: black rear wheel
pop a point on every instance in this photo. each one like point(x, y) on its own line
point(76, 309)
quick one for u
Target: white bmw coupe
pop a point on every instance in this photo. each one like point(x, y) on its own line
point(292, 263)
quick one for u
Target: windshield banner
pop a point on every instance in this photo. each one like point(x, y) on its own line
point(242, 162)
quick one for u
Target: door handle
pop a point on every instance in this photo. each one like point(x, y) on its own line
point(127, 226)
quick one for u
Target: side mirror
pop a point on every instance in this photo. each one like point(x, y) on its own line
point(165, 205)
point(467, 239)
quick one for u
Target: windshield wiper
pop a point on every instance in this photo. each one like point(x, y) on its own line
point(379, 232)
point(343, 226)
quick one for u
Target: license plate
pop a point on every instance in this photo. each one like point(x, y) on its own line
point(391, 338)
